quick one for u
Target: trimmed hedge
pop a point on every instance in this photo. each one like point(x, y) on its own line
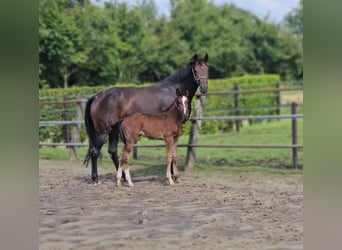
point(249, 103)
point(216, 105)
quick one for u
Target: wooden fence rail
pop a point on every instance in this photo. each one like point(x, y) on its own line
point(72, 139)
point(194, 135)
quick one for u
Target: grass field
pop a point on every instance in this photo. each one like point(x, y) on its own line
point(266, 132)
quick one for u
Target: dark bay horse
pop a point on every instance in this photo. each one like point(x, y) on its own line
point(105, 109)
point(167, 126)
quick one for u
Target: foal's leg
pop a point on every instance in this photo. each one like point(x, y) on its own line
point(169, 143)
point(174, 169)
point(123, 165)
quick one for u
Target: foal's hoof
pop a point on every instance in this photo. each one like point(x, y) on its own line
point(170, 182)
point(175, 179)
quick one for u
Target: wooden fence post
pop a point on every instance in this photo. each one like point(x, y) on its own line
point(65, 118)
point(278, 100)
point(76, 129)
point(236, 104)
point(66, 127)
point(135, 152)
point(294, 135)
point(194, 133)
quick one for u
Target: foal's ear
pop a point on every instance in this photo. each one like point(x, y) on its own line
point(206, 57)
point(178, 93)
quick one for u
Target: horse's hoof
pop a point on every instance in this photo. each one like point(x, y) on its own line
point(131, 185)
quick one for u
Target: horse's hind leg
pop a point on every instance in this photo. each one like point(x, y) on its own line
point(94, 155)
point(113, 147)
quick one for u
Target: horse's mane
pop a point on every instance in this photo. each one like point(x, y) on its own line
point(179, 74)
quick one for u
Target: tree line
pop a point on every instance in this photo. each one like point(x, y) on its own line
point(85, 43)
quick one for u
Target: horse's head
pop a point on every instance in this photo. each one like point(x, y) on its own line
point(182, 104)
point(200, 72)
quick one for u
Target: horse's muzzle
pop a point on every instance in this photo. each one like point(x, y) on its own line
point(204, 89)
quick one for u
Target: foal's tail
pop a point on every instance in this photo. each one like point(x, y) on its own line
point(90, 129)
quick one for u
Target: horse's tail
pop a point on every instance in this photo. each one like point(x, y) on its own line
point(121, 133)
point(90, 130)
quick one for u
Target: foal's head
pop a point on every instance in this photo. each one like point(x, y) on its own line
point(182, 104)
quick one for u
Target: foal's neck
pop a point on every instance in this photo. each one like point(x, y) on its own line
point(175, 114)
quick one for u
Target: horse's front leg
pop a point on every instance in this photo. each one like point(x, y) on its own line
point(174, 169)
point(169, 143)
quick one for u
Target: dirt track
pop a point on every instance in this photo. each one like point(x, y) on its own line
point(230, 211)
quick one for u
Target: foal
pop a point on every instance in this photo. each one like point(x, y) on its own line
point(165, 126)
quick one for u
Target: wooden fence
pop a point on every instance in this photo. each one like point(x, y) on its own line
point(196, 125)
point(72, 137)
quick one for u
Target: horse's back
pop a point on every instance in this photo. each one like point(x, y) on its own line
point(112, 104)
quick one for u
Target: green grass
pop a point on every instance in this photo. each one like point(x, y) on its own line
point(267, 160)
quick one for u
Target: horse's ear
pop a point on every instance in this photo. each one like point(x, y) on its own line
point(186, 93)
point(177, 92)
point(206, 57)
point(195, 57)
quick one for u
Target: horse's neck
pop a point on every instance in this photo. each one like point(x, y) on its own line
point(182, 79)
point(189, 84)
point(186, 84)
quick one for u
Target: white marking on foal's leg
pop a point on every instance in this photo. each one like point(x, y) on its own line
point(128, 177)
point(119, 176)
point(169, 177)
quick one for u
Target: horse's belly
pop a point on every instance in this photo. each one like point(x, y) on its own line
point(153, 136)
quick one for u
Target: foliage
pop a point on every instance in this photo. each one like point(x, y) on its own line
point(294, 20)
point(84, 43)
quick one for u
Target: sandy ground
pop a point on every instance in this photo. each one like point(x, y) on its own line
point(226, 211)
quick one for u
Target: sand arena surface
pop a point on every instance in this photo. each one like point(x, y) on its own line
point(219, 211)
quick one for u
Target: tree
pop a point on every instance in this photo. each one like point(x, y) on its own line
point(60, 42)
point(81, 43)
point(294, 20)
